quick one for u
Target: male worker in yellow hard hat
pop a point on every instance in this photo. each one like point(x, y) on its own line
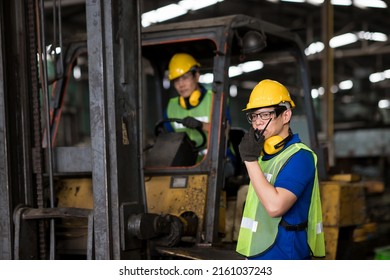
point(193, 103)
point(282, 217)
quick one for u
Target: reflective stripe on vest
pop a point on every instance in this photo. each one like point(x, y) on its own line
point(258, 230)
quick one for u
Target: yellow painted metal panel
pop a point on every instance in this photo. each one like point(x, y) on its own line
point(343, 204)
point(75, 193)
point(164, 199)
point(331, 242)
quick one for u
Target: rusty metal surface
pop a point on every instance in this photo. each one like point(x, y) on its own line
point(113, 34)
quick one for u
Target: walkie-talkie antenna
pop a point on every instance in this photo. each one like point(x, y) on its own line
point(258, 133)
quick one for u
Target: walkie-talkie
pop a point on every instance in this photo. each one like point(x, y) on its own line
point(259, 134)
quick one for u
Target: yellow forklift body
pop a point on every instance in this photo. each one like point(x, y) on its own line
point(343, 205)
point(177, 194)
point(76, 193)
point(73, 232)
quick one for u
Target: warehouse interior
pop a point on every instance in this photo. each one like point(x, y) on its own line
point(86, 190)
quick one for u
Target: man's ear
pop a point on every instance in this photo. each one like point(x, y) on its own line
point(287, 116)
point(197, 75)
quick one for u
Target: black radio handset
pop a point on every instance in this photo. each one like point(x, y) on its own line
point(259, 134)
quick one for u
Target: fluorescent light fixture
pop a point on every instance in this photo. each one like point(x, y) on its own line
point(317, 92)
point(363, 4)
point(345, 39)
point(342, 40)
point(345, 85)
point(233, 91)
point(315, 47)
point(77, 72)
point(378, 36)
point(370, 4)
point(162, 14)
point(315, 2)
point(192, 5)
point(372, 36)
point(251, 66)
point(341, 2)
point(294, 1)
point(245, 67)
point(50, 50)
point(379, 76)
point(148, 18)
point(166, 82)
point(314, 93)
point(384, 104)
point(174, 10)
point(235, 71)
point(376, 77)
point(207, 78)
point(169, 12)
point(319, 2)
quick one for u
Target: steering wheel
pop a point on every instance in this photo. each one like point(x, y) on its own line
point(159, 128)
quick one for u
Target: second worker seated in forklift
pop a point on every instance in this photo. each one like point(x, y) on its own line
point(193, 103)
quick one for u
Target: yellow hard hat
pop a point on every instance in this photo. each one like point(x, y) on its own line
point(268, 93)
point(180, 64)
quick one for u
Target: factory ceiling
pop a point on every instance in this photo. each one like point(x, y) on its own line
point(355, 61)
point(307, 20)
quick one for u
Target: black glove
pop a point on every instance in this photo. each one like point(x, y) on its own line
point(191, 122)
point(250, 148)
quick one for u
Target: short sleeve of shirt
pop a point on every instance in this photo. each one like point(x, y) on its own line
point(297, 173)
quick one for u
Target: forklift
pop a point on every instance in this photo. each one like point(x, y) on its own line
point(186, 202)
point(134, 191)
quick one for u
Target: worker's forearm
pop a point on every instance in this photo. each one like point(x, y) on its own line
point(268, 195)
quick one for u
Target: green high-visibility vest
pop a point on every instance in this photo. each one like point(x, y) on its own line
point(202, 113)
point(258, 230)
